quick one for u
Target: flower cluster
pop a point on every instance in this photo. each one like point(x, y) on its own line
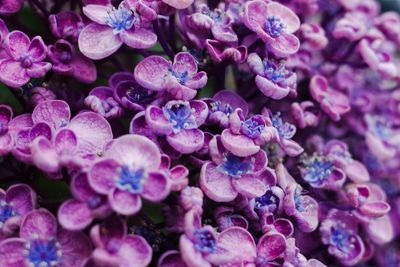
point(188, 133)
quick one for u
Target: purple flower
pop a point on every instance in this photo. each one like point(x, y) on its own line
point(332, 102)
point(220, 51)
point(339, 232)
point(53, 140)
point(9, 7)
point(199, 245)
point(180, 78)
point(130, 170)
point(205, 22)
point(179, 122)
point(241, 244)
point(227, 175)
point(25, 59)
point(66, 25)
point(222, 105)
point(6, 140)
point(314, 35)
point(41, 243)
point(305, 114)
point(68, 62)
point(245, 136)
point(101, 100)
point(226, 218)
point(178, 175)
point(111, 28)
point(352, 26)
point(115, 247)
point(77, 213)
point(272, 77)
point(274, 24)
point(14, 204)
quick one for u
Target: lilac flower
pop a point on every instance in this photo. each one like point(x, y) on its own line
point(314, 35)
point(41, 243)
point(226, 218)
point(130, 170)
point(206, 21)
point(227, 175)
point(269, 203)
point(66, 25)
point(180, 79)
point(245, 136)
point(101, 100)
point(339, 232)
point(68, 62)
point(199, 245)
point(115, 247)
point(272, 78)
point(305, 114)
point(9, 7)
point(111, 28)
point(241, 243)
point(332, 102)
point(178, 175)
point(179, 122)
point(274, 24)
point(270, 224)
point(25, 59)
point(18, 200)
point(222, 105)
point(352, 27)
point(6, 140)
point(57, 141)
point(77, 213)
point(222, 52)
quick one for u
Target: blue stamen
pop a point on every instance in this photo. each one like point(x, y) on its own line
point(298, 200)
point(121, 19)
point(275, 71)
point(285, 129)
point(274, 26)
point(180, 115)
point(317, 169)
point(131, 181)
point(268, 199)
point(235, 167)
point(138, 94)
point(182, 77)
point(204, 241)
point(6, 212)
point(43, 253)
point(253, 127)
point(219, 106)
point(341, 238)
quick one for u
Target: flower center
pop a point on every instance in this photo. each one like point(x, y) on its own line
point(253, 127)
point(298, 200)
point(204, 241)
point(121, 19)
point(182, 77)
point(65, 57)
point(138, 94)
point(94, 202)
point(180, 114)
point(6, 212)
point(274, 26)
point(217, 15)
point(113, 245)
point(382, 129)
point(285, 129)
point(26, 61)
point(219, 106)
point(275, 71)
point(268, 199)
point(317, 169)
point(235, 167)
point(131, 180)
point(341, 238)
point(43, 253)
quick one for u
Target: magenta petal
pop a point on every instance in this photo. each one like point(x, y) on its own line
point(239, 145)
point(123, 202)
point(292, 22)
point(80, 187)
point(22, 197)
point(357, 172)
point(83, 69)
point(6, 114)
point(271, 89)
point(65, 141)
point(9, 7)
point(12, 73)
point(38, 70)
point(238, 241)
point(6, 144)
point(184, 61)
point(255, 14)
point(135, 251)
point(139, 38)
point(17, 44)
point(40, 223)
point(103, 174)
point(98, 41)
point(190, 256)
point(12, 252)
point(44, 155)
point(249, 186)
point(375, 209)
point(97, 13)
point(285, 45)
point(75, 246)
point(37, 49)
point(171, 258)
point(92, 131)
point(151, 72)
point(187, 141)
point(40, 129)
point(156, 187)
point(56, 113)
point(271, 246)
point(215, 184)
point(74, 215)
point(178, 4)
point(156, 120)
point(284, 226)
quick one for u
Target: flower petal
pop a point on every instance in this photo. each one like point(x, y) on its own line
point(249, 186)
point(124, 203)
point(12, 74)
point(56, 113)
point(22, 197)
point(12, 252)
point(139, 38)
point(135, 251)
point(187, 141)
point(271, 246)
point(38, 223)
point(156, 187)
point(74, 215)
point(239, 145)
point(151, 72)
point(103, 174)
